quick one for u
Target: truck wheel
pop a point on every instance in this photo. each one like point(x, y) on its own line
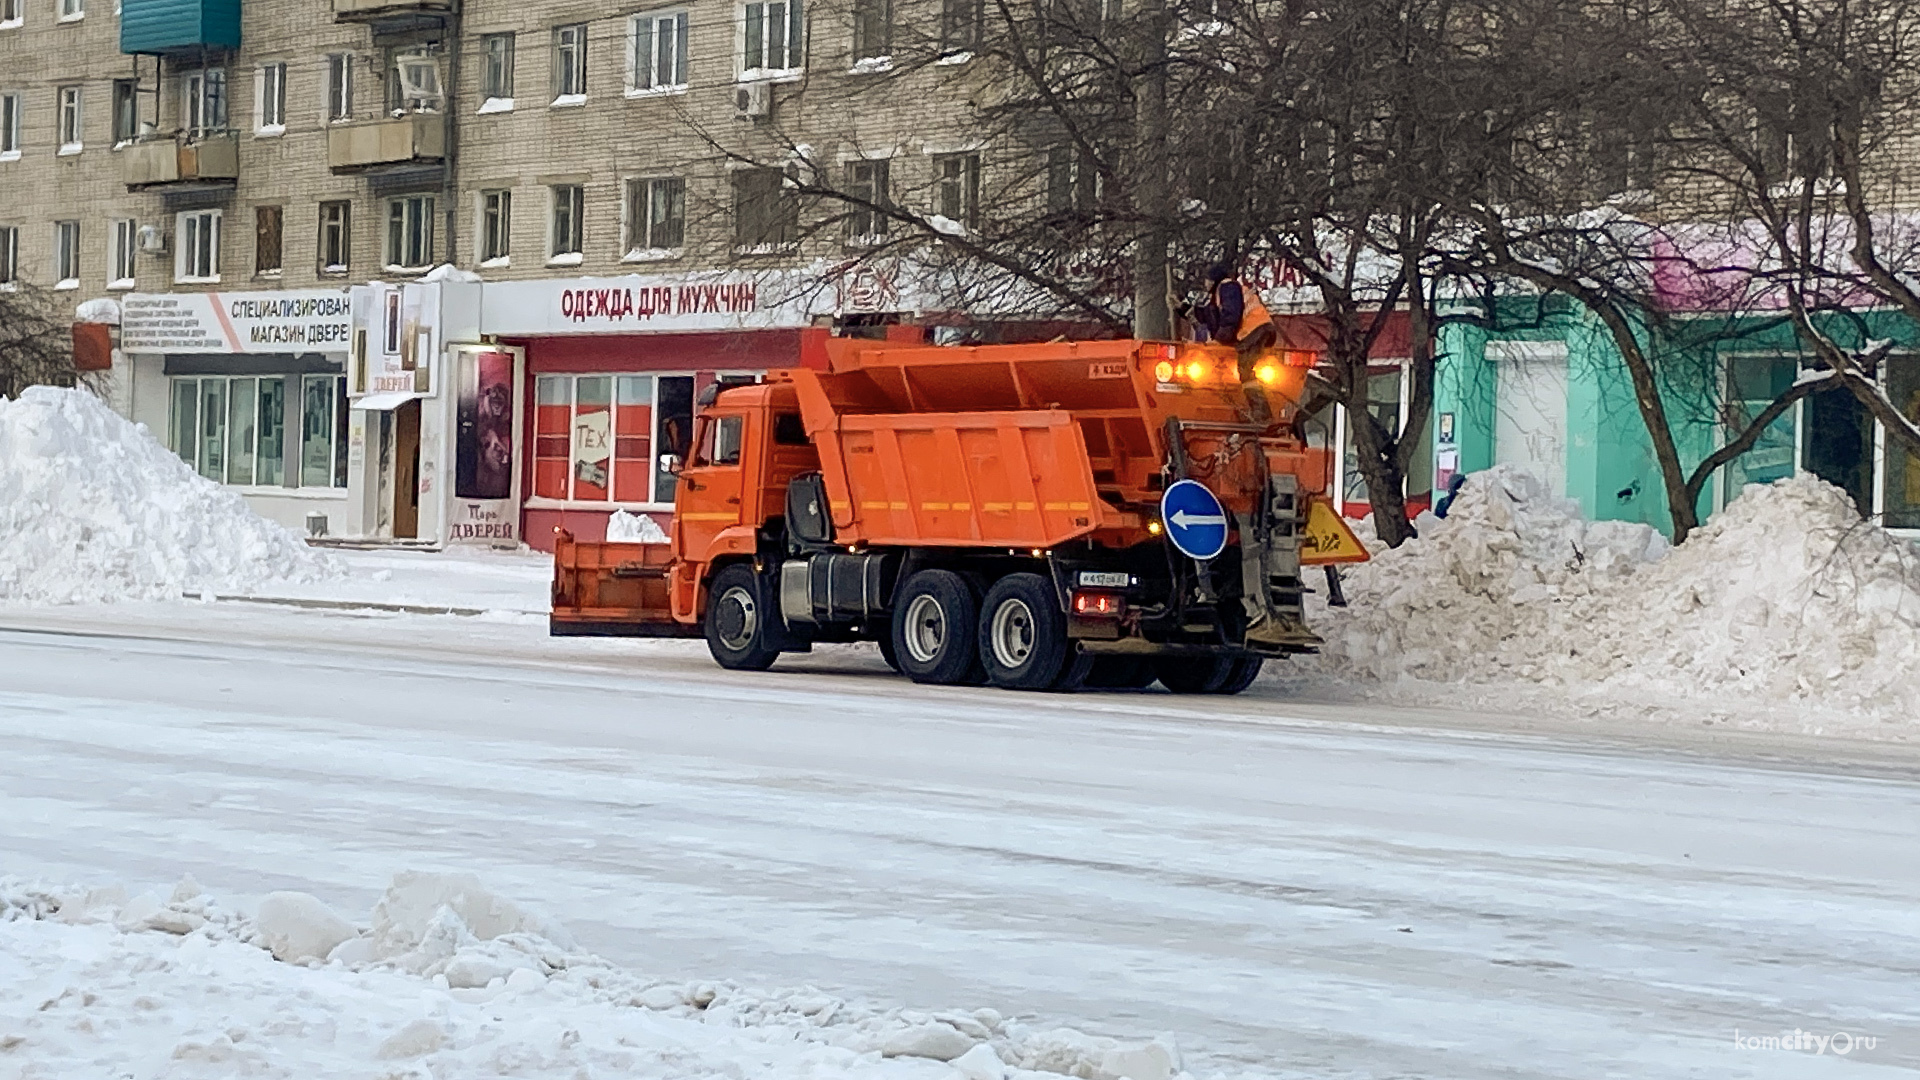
point(933, 628)
point(738, 631)
point(1194, 674)
point(1241, 675)
point(887, 651)
point(1023, 634)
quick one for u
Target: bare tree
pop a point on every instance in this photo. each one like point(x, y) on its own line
point(35, 348)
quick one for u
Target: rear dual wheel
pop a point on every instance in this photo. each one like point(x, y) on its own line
point(1208, 674)
point(1023, 637)
point(933, 629)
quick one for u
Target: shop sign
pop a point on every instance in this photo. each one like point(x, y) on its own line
point(592, 438)
point(295, 321)
point(396, 338)
point(480, 521)
point(718, 300)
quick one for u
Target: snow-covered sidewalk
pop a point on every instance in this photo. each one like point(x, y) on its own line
point(459, 579)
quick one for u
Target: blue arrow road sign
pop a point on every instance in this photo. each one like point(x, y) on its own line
point(1196, 522)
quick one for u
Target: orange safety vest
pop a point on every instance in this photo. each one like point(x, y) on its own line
point(1253, 311)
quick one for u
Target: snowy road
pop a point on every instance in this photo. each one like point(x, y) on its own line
point(1287, 891)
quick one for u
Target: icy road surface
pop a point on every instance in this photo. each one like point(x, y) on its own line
point(1287, 890)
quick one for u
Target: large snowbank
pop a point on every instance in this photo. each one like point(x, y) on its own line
point(447, 979)
point(93, 508)
point(1784, 596)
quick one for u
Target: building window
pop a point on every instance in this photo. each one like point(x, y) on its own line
point(72, 128)
point(410, 232)
point(771, 33)
point(1900, 490)
point(9, 127)
point(126, 112)
point(956, 195)
point(339, 86)
point(765, 217)
point(271, 113)
point(496, 67)
point(413, 81)
point(598, 438)
point(197, 257)
point(867, 188)
point(656, 217)
point(72, 9)
point(569, 207)
point(872, 29)
point(9, 256)
point(962, 24)
point(336, 237)
point(657, 59)
point(496, 227)
point(124, 244)
point(203, 95)
point(1073, 181)
point(66, 254)
point(570, 64)
point(11, 13)
point(267, 221)
point(241, 430)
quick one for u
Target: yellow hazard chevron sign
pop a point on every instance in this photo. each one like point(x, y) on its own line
point(1327, 539)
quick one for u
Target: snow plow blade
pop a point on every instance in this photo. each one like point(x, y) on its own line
point(613, 590)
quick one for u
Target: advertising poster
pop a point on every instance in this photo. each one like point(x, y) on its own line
point(485, 440)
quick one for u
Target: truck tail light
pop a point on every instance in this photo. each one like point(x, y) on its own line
point(1095, 604)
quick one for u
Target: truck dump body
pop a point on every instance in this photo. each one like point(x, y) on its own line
point(986, 513)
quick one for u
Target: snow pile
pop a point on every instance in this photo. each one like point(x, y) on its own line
point(625, 528)
point(447, 980)
point(93, 509)
point(1784, 595)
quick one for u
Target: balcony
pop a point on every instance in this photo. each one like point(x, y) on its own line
point(393, 15)
point(414, 139)
point(172, 27)
point(209, 161)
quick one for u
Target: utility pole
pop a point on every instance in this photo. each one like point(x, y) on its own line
point(1152, 179)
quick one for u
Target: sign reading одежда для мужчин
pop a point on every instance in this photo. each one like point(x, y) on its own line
point(307, 320)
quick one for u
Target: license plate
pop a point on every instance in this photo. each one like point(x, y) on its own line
point(1104, 579)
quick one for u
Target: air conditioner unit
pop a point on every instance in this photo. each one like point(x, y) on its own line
point(754, 99)
point(153, 240)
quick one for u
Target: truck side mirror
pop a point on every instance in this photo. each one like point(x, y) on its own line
point(672, 463)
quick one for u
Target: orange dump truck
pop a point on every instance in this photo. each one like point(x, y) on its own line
point(1042, 516)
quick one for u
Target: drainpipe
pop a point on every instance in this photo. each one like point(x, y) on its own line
point(450, 183)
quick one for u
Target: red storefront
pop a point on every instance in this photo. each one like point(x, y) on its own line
point(613, 368)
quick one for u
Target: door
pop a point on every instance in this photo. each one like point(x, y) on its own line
point(406, 470)
point(712, 483)
point(1530, 409)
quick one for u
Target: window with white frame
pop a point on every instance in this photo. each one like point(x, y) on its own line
point(9, 255)
point(496, 227)
point(72, 9)
point(657, 58)
point(123, 244)
point(9, 127)
point(599, 438)
point(962, 24)
point(496, 67)
point(340, 86)
point(72, 120)
point(270, 92)
point(570, 64)
point(203, 100)
point(872, 29)
point(956, 193)
point(870, 193)
point(656, 217)
point(336, 236)
point(126, 111)
point(262, 431)
point(196, 254)
point(410, 232)
point(770, 35)
point(66, 254)
point(414, 82)
point(12, 13)
point(568, 228)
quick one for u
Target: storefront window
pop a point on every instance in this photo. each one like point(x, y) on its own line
point(1383, 401)
point(597, 437)
point(1900, 495)
point(234, 429)
point(1837, 445)
point(1753, 382)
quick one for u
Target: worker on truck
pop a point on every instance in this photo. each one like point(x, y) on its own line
point(1233, 314)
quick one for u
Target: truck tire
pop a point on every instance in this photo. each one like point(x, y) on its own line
point(933, 628)
point(739, 634)
point(1194, 674)
point(888, 652)
point(1023, 634)
point(1241, 675)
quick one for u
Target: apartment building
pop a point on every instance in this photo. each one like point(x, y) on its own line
point(266, 188)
